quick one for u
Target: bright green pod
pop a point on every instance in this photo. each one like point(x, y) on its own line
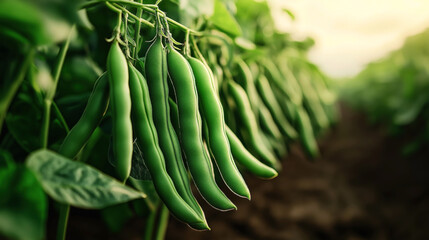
point(190, 131)
point(270, 101)
point(245, 79)
point(156, 76)
point(312, 103)
point(117, 70)
point(212, 113)
point(147, 137)
point(306, 133)
point(246, 159)
point(264, 117)
point(88, 122)
point(249, 123)
point(268, 124)
point(284, 81)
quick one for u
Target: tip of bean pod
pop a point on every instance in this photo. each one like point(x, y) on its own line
point(201, 226)
point(272, 174)
point(246, 195)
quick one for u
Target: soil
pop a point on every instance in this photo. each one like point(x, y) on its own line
point(360, 188)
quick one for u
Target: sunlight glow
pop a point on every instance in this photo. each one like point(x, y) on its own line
point(348, 33)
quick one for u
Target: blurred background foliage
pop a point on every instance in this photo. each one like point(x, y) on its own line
point(394, 92)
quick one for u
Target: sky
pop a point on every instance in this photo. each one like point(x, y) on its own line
point(351, 33)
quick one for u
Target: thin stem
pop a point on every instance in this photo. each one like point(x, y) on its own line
point(45, 123)
point(117, 29)
point(60, 116)
point(186, 48)
point(162, 223)
point(149, 8)
point(150, 223)
point(64, 208)
point(198, 52)
point(49, 97)
point(139, 19)
point(6, 99)
point(137, 32)
point(63, 220)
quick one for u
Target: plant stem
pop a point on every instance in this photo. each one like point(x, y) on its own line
point(150, 223)
point(49, 97)
point(62, 221)
point(162, 223)
point(139, 19)
point(64, 208)
point(60, 117)
point(45, 123)
point(137, 32)
point(6, 99)
point(148, 7)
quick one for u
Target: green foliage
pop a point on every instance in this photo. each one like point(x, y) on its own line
point(223, 20)
point(43, 97)
point(394, 91)
point(23, 204)
point(77, 184)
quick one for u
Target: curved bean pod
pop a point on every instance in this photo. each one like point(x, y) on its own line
point(270, 101)
point(245, 158)
point(117, 70)
point(212, 112)
point(249, 122)
point(88, 122)
point(156, 76)
point(152, 154)
point(190, 131)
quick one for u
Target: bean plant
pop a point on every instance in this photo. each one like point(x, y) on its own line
point(125, 106)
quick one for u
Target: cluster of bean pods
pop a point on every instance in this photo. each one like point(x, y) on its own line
point(190, 122)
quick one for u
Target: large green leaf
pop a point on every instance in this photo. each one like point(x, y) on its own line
point(23, 204)
point(224, 20)
point(76, 183)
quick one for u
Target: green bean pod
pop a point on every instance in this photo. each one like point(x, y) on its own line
point(88, 122)
point(268, 124)
point(264, 117)
point(156, 76)
point(283, 80)
point(245, 79)
point(287, 106)
point(190, 131)
point(248, 120)
point(306, 133)
point(312, 103)
point(117, 70)
point(212, 113)
point(148, 139)
point(246, 159)
point(270, 101)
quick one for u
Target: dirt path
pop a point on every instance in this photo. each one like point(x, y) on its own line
point(361, 188)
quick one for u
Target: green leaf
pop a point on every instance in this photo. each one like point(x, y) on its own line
point(76, 183)
point(23, 204)
point(224, 21)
